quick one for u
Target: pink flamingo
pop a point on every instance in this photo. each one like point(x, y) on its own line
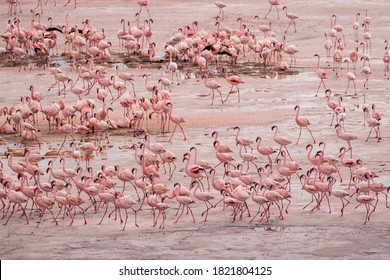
point(234, 80)
point(125, 202)
point(342, 195)
point(213, 85)
point(291, 50)
point(196, 171)
point(169, 157)
point(126, 175)
point(310, 189)
point(291, 16)
point(345, 136)
point(66, 129)
point(282, 141)
point(265, 150)
point(355, 27)
point(366, 200)
point(262, 201)
point(242, 141)
point(331, 104)
point(320, 74)
point(16, 198)
point(351, 77)
point(349, 163)
point(366, 70)
point(323, 189)
point(44, 203)
point(374, 124)
point(150, 170)
point(222, 157)
point(183, 200)
point(205, 197)
point(161, 207)
point(273, 3)
point(302, 122)
point(176, 119)
point(248, 158)
point(143, 3)
point(328, 45)
point(203, 163)
point(221, 148)
point(75, 201)
point(377, 188)
point(273, 197)
point(220, 5)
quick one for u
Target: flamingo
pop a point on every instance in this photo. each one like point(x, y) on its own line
point(366, 200)
point(273, 3)
point(302, 122)
point(262, 201)
point(222, 157)
point(143, 3)
point(242, 141)
point(291, 16)
point(125, 202)
point(221, 148)
point(169, 157)
point(282, 141)
point(213, 85)
point(183, 200)
point(196, 171)
point(355, 27)
point(320, 74)
point(351, 77)
point(366, 70)
point(265, 150)
point(328, 45)
point(374, 124)
point(345, 136)
point(291, 50)
point(220, 5)
point(205, 197)
point(234, 80)
point(16, 198)
point(176, 119)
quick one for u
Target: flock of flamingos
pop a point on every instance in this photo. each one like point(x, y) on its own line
point(89, 107)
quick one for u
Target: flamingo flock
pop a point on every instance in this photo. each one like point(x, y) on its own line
point(252, 181)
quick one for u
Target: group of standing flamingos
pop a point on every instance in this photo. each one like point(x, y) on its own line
point(236, 189)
